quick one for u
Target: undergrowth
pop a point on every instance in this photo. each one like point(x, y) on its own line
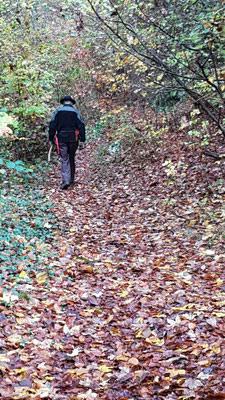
point(123, 139)
point(27, 224)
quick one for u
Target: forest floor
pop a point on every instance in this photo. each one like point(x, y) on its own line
point(134, 304)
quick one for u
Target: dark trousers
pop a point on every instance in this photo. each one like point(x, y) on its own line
point(67, 154)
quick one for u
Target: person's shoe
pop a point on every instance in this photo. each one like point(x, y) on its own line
point(64, 186)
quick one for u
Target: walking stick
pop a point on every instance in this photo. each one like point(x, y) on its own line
point(49, 153)
point(50, 149)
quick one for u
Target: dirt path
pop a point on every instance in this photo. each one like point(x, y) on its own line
point(136, 307)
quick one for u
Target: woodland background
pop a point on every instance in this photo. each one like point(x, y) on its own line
point(114, 289)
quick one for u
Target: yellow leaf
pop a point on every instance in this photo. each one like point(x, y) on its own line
point(211, 79)
point(191, 305)
point(209, 227)
point(20, 321)
point(221, 303)
point(216, 349)
point(219, 282)
point(219, 314)
point(18, 371)
point(115, 331)
point(104, 368)
point(176, 372)
point(192, 222)
point(14, 338)
point(223, 88)
point(124, 293)
point(41, 278)
point(159, 316)
point(72, 372)
point(108, 261)
point(139, 334)
point(121, 358)
point(19, 315)
point(184, 350)
point(86, 268)
point(159, 77)
point(155, 340)
point(188, 283)
point(3, 358)
point(58, 346)
point(136, 41)
point(21, 395)
point(24, 275)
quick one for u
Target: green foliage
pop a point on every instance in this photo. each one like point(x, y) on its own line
point(33, 67)
point(14, 172)
point(98, 129)
point(23, 295)
point(26, 227)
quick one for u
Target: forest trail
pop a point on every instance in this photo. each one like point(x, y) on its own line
point(135, 309)
point(115, 288)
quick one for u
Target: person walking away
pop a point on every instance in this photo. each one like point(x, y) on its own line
point(68, 129)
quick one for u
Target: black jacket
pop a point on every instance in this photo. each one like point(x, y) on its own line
point(65, 121)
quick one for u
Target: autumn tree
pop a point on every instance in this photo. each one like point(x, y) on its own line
point(36, 66)
point(178, 44)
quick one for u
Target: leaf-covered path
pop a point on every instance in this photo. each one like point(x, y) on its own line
point(136, 306)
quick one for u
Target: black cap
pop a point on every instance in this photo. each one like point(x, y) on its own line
point(67, 98)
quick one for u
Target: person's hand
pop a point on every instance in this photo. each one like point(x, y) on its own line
point(81, 145)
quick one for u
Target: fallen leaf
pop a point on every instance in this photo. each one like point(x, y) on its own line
point(133, 361)
point(105, 368)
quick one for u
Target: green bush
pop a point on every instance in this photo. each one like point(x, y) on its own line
point(26, 231)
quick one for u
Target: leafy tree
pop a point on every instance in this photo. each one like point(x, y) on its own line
point(178, 45)
point(33, 56)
